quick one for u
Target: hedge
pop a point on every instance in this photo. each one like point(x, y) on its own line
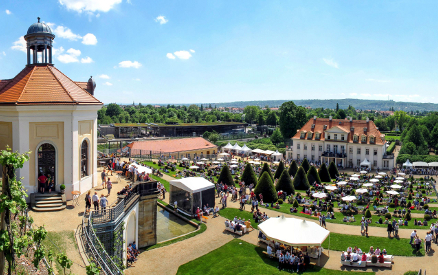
point(267, 188)
point(279, 170)
point(293, 168)
point(285, 183)
point(225, 177)
point(390, 148)
point(249, 176)
point(412, 158)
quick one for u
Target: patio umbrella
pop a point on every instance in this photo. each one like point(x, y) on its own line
point(329, 187)
point(194, 167)
point(400, 178)
point(251, 162)
point(354, 179)
point(341, 183)
point(396, 186)
point(204, 159)
point(184, 159)
point(401, 174)
point(363, 172)
point(382, 173)
point(349, 198)
point(276, 162)
point(200, 163)
point(257, 163)
point(392, 192)
point(374, 180)
point(319, 195)
point(234, 162)
point(215, 162)
point(367, 185)
point(223, 154)
point(361, 191)
point(398, 181)
point(220, 159)
point(233, 166)
point(257, 159)
point(378, 177)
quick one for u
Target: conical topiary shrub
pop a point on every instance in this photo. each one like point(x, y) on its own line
point(249, 175)
point(305, 165)
point(312, 176)
point(323, 173)
point(293, 168)
point(225, 176)
point(266, 168)
point(285, 183)
point(279, 170)
point(333, 171)
point(266, 187)
point(300, 181)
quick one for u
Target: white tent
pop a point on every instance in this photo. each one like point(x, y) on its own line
point(236, 147)
point(245, 149)
point(355, 175)
point(378, 177)
point(329, 187)
point(398, 181)
point(194, 167)
point(142, 169)
point(403, 174)
point(294, 232)
point(192, 184)
point(267, 152)
point(407, 163)
point(433, 164)
point(341, 183)
point(228, 146)
point(258, 151)
point(234, 161)
point(396, 186)
point(223, 154)
point(361, 191)
point(233, 166)
point(277, 155)
point(420, 164)
point(365, 162)
point(184, 159)
point(382, 173)
point(391, 192)
point(319, 195)
point(354, 179)
point(363, 172)
point(215, 162)
point(367, 184)
point(400, 178)
point(349, 198)
point(374, 180)
point(204, 159)
point(200, 163)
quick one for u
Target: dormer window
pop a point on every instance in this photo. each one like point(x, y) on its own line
point(310, 135)
point(355, 138)
point(336, 136)
point(328, 136)
point(372, 139)
point(364, 138)
point(317, 135)
point(303, 134)
point(325, 127)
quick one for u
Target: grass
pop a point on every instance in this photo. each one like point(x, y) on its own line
point(164, 182)
point(240, 257)
point(394, 246)
point(230, 213)
point(57, 242)
point(151, 164)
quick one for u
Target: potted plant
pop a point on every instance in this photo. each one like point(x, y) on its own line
point(62, 188)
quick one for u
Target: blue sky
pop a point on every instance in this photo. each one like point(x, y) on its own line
point(221, 51)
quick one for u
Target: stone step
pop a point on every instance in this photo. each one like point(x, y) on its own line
point(46, 209)
point(38, 202)
point(48, 198)
point(48, 205)
point(45, 195)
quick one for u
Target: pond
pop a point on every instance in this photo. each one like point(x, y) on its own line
point(170, 226)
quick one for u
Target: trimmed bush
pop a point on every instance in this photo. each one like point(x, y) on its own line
point(330, 209)
point(410, 195)
point(390, 148)
point(388, 216)
point(305, 165)
point(279, 170)
point(293, 168)
point(295, 204)
point(266, 187)
point(300, 181)
point(408, 216)
point(225, 177)
point(249, 176)
point(280, 201)
point(285, 183)
point(391, 205)
point(266, 168)
point(172, 169)
point(324, 173)
point(368, 214)
point(427, 217)
point(409, 204)
point(312, 176)
point(426, 206)
point(333, 171)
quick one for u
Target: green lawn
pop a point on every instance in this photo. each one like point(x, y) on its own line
point(151, 164)
point(240, 257)
point(164, 182)
point(397, 247)
point(230, 213)
point(57, 242)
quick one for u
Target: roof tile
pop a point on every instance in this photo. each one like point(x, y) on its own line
point(173, 145)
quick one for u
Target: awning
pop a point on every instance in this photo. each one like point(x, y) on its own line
point(192, 184)
point(420, 164)
point(433, 164)
point(407, 163)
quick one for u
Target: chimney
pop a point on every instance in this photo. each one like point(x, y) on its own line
point(330, 122)
point(368, 119)
point(368, 123)
point(351, 125)
point(314, 117)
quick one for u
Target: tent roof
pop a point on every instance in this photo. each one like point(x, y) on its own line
point(277, 153)
point(142, 169)
point(407, 163)
point(245, 148)
point(420, 164)
point(236, 147)
point(294, 232)
point(228, 146)
point(433, 164)
point(192, 184)
point(268, 152)
point(365, 162)
point(257, 151)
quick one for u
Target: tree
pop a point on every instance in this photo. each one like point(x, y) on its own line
point(292, 117)
point(341, 114)
point(249, 175)
point(206, 134)
point(272, 118)
point(251, 113)
point(312, 175)
point(293, 168)
point(213, 137)
point(225, 176)
point(285, 183)
point(276, 136)
point(300, 181)
point(305, 165)
point(324, 173)
point(266, 188)
point(401, 118)
point(434, 137)
point(261, 119)
point(279, 170)
point(113, 110)
point(266, 168)
point(333, 171)
point(337, 107)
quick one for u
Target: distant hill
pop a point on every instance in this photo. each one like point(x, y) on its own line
point(363, 104)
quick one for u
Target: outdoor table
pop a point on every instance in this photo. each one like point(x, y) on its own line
point(119, 173)
point(75, 197)
point(102, 163)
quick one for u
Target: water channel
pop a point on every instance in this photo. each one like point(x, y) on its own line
point(170, 226)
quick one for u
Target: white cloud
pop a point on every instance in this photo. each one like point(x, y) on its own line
point(104, 76)
point(74, 52)
point(4, 54)
point(20, 44)
point(58, 51)
point(98, 15)
point(381, 95)
point(161, 19)
point(108, 84)
point(192, 50)
point(89, 39)
point(366, 95)
point(86, 60)
point(8, 12)
point(182, 54)
point(353, 94)
point(377, 80)
point(129, 64)
point(136, 79)
point(71, 55)
point(64, 32)
point(90, 5)
point(331, 62)
point(170, 56)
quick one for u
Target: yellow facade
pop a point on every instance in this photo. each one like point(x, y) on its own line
point(85, 132)
point(5, 135)
point(50, 132)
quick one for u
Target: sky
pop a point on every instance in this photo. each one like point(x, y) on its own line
point(222, 51)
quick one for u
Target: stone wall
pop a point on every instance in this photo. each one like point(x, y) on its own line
point(147, 221)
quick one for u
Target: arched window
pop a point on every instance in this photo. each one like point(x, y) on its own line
point(84, 159)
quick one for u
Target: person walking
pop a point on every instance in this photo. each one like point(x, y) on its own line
point(413, 234)
point(103, 175)
point(428, 240)
point(323, 221)
point(95, 199)
point(417, 243)
point(103, 203)
point(109, 186)
point(88, 202)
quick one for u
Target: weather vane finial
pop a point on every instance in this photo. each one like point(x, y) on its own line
point(39, 19)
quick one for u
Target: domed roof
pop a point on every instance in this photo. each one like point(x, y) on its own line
point(39, 28)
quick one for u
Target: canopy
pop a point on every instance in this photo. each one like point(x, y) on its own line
point(391, 192)
point(220, 159)
point(233, 166)
point(257, 163)
point(236, 147)
point(400, 178)
point(228, 146)
point(403, 174)
point(379, 177)
point(365, 162)
point(363, 172)
point(234, 161)
point(341, 183)
point(354, 179)
point(398, 181)
point(223, 154)
point(267, 152)
point(374, 180)
point(251, 162)
point(192, 184)
point(433, 164)
point(361, 191)
point(396, 186)
point(294, 232)
point(319, 195)
point(349, 198)
point(184, 159)
point(329, 187)
point(257, 159)
point(258, 151)
point(204, 159)
point(215, 162)
point(277, 153)
point(245, 148)
point(194, 167)
point(142, 169)
point(367, 185)
point(407, 163)
point(200, 163)
point(382, 173)
point(355, 175)
point(420, 164)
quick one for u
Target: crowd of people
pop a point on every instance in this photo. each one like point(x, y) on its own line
point(132, 253)
point(288, 259)
point(357, 255)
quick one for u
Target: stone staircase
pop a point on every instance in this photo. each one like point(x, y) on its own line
point(47, 202)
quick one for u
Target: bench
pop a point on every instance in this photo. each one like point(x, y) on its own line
point(355, 264)
point(384, 264)
point(232, 231)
